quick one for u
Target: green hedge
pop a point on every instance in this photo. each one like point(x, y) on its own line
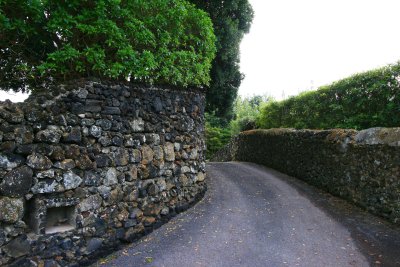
point(216, 139)
point(218, 133)
point(365, 100)
point(157, 41)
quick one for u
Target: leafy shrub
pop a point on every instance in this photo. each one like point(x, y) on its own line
point(217, 135)
point(158, 41)
point(365, 100)
point(246, 112)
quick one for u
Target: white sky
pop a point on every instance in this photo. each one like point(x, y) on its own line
point(295, 45)
point(14, 97)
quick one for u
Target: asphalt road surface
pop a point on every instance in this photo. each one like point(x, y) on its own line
point(255, 216)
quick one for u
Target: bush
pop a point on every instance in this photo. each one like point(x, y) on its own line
point(217, 135)
point(365, 100)
point(246, 112)
point(158, 41)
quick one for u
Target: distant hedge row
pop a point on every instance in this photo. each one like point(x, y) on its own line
point(158, 41)
point(370, 99)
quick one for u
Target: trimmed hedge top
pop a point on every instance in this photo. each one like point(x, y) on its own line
point(365, 100)
point(158, 41)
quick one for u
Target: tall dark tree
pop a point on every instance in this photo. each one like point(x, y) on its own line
point(231, 19)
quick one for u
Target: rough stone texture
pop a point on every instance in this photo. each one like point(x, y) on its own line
point(71, 180)
point(17, 247)
point(10, 161)
point(362, 167)
point(169, 152)
point(104, 160)
point(17, 182)
point(38, 161)
point(50, 135)
point(11, 209)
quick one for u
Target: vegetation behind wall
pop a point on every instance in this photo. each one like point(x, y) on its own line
point(365, 100)
point(246, 111)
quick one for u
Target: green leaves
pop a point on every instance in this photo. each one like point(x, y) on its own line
point(231, 19)
point(158, 41)
point(246, 111)
point(365, 100)
point(217, 136)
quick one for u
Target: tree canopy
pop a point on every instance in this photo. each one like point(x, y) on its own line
point(231, 19)
point(158, 41)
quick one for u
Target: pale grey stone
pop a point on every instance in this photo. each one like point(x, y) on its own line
point(46, 186)
point(137, 125)
point(185, 169)
point(169, 152)
point(71, 180)
point(45, 174)
point(95, 131)
point(91, 203)
point(111, 177)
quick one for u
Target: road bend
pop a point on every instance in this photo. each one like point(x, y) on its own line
point(255, 216)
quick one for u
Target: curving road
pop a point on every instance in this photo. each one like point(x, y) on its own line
point(255, 216)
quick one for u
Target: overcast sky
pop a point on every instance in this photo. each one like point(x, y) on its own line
point(295, 45)
point(298, 45)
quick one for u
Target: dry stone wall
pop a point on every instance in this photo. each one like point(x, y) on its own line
point(94, 164)
point(362, 167)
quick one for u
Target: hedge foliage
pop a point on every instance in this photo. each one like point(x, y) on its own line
point(246, 111)
point(157, 41)
point(365, 100)
point(217, 134)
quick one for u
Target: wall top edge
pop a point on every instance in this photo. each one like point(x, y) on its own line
point(371, 136)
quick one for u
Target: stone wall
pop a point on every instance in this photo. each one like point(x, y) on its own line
point(94, 164)
point(362, 167)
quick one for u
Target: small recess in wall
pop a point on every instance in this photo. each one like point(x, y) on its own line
point(60, 219)
point(52, 215)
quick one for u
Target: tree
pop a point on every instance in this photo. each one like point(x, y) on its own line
point(231, 19)
point(247, 112)
point(158, 41)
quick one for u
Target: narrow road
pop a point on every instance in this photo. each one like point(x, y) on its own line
point(255, 216)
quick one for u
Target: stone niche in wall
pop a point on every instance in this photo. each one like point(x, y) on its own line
point(91, 164)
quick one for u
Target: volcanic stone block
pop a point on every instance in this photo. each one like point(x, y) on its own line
point(11, 209)
point(17, 182)
point(39, 162)
point(71, 180)
point(73, 136)
point(18, 247)
point(169, 152)
point(10, 161)
point(147, 154)
point(137, 125)
point(50, 135)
